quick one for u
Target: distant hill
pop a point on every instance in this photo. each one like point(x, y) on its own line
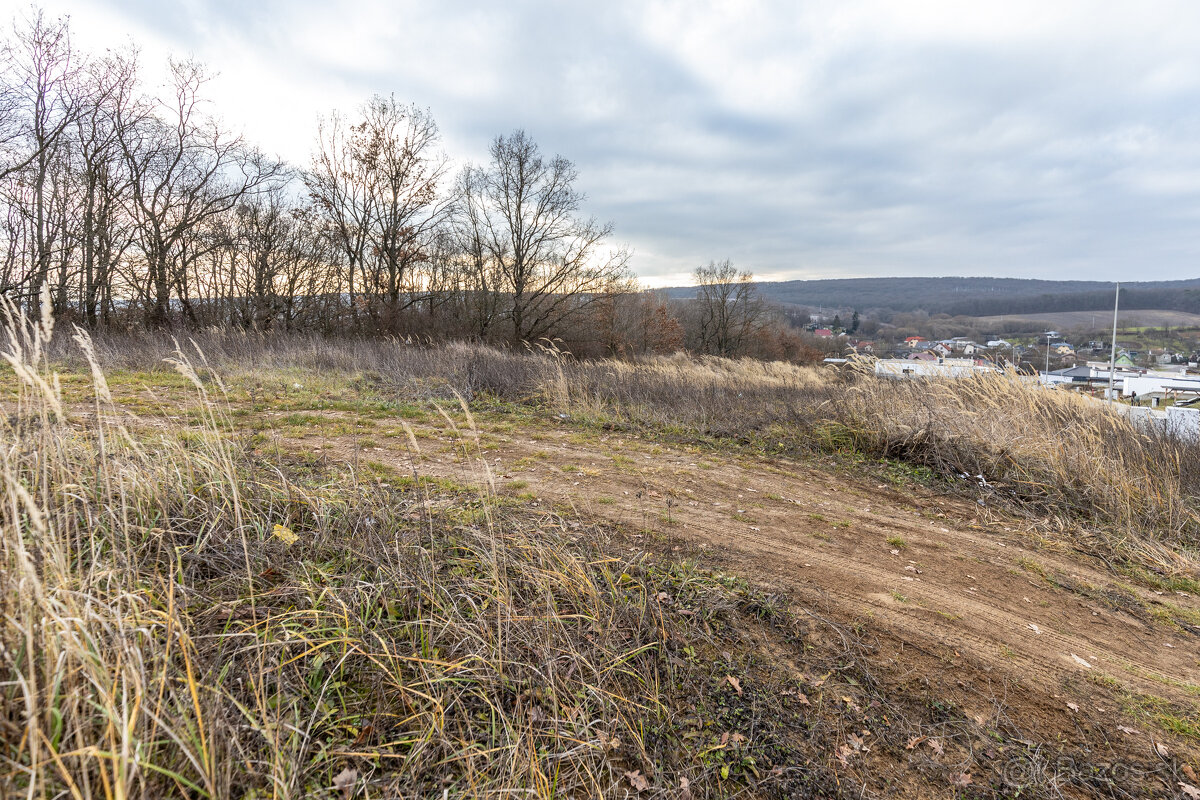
point(1095, 320)
point(976, 296)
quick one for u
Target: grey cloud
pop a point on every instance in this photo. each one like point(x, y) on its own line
point(1062, 143)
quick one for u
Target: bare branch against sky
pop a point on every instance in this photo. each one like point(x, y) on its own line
point(818, 139)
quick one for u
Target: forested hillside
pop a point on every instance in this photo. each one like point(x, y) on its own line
point(977, 296)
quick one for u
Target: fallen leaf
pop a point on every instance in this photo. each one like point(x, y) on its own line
point(1073, 707)
point(344, 781)
point(1188, 772)
point(735, 683)
point(285, 535)
point(1161, 750)
point(935, 746)
point(1189, 791)
point(1035, 628)
point(637, 780)
point(1129, 731)
point(1081, 662)
point(913, 742)
point(960, 779)
point(685, 791)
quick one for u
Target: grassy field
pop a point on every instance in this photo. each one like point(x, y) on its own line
point(258, 567)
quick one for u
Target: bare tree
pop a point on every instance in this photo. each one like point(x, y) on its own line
point(105, 233)
point(37, 105)
point(275, 261)
point(478, 271)
point(185, 170)
point(728, 308)
point(37, 69)
point(550, 262)
point(377, 182)
point(338, 186)
point(404, 169)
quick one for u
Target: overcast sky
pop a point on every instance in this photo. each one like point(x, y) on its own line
point(799, 139)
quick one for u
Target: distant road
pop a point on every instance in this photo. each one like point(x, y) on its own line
point(1102, 320)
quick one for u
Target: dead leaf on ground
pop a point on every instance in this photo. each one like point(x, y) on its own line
point(960, 779)
point(936, 746)
point(344, 781)
point(913, 742)
point(1189, 791)
point(1081, 662)
point(1161, 750)
point(735, 683)
point(637, 780)
point(1073, 707)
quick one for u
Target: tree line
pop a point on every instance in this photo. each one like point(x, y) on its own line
point(136, 208)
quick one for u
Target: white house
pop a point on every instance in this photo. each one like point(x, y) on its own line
point(942, 368)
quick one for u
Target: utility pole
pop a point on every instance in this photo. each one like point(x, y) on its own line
point(1112, 355)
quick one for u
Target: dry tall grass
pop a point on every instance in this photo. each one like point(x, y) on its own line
point(1120, 491)
point(179, 619)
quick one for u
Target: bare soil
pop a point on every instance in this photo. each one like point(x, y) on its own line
point(959, 602)
point(959, 596)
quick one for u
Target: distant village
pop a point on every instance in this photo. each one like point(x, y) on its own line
point(1156, 385)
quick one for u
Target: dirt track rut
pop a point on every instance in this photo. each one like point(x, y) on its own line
point(956, 579)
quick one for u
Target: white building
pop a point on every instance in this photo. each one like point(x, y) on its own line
point(942, 368)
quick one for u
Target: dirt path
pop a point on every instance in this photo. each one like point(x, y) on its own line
point(946, 581)
point(959, 601)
